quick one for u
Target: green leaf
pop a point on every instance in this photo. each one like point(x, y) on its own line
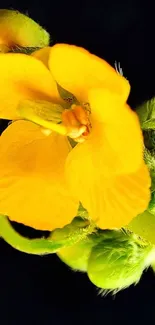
point(17, 29)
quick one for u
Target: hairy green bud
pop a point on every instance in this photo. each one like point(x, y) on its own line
point(146, 113)
point(118, 261)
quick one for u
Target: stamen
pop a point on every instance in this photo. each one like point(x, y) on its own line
point(77, 122)
point(80, 114)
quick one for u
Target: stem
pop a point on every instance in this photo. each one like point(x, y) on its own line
point(39, 246)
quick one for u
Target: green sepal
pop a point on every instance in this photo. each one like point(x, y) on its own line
point(24, 50)
point(17, 29)
point(67, 96)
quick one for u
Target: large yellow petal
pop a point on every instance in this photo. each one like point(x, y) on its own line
point(107, 172)
point(112, 202)
point(43, 55)
point(77, 70)
point(116, 134)
point(33, 190)
point(23, 77)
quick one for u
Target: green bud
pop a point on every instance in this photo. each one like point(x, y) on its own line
point(149, 139)
point(144, 226)
point(77, 243)
point(146, 113)
point(17, 29)
point(149, 157)
point(118, 261)
point(77, 256)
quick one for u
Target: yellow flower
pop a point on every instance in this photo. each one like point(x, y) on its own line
point(42, 178)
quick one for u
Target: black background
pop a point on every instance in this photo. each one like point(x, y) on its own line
point(42, 290)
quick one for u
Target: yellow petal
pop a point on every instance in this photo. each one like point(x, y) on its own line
point(19, 29)
point(23, 77)
point(43, 55)
point(107, 172)
point(116, 134)
point(111, 201)
point(77, 70)
point(33, 190)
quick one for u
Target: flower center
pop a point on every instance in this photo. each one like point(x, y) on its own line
point(72, 122)
point(77, 122)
